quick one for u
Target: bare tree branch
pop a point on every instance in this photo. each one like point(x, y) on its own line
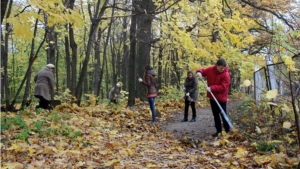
point(279, 16)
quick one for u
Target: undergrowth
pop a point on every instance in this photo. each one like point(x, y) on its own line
point(263, 128)
point(18, 127)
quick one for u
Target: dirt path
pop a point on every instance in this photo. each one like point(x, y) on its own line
point(201, 129)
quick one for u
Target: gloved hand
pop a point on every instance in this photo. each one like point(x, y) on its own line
point(208, 89)
point(183, 89)
point(187, 94)
point(199, 74)
point(140, 79)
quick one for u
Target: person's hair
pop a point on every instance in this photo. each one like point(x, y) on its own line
point(221, 62)
point(147, 67)
point(190, 72)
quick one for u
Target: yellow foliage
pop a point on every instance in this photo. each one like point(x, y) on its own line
point(271, 94)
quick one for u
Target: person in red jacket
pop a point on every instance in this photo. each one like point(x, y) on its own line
point(218, 80)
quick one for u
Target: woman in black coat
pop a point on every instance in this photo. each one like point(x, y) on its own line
point(190, 87)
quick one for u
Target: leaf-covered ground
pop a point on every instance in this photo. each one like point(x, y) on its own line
point(119, 137)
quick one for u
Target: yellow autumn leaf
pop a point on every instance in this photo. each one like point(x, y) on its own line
point(276, 111)
point(262, 159)
point(15, 147)
point(223, 142)
point(80, 163)
point(216, 143)
point(282, 148)
point(285, 108)
point(12, 165)
point(275, 60)
point(271, 94)
point(31, 150)
point(48, 150)
point(287, 125)
point(111, 162)
point(130, 152)
point(257, 129)
point(246, 83)
point(241, 152)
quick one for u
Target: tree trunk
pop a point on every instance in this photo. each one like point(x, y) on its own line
point(113, 64)
point(107, 71)
point(124, 60)
point(56, 65)
point(4, 56)
point(97, 68)
point(166, 78)
point(144, 42)
point(118, 61)
point(131, 70)
point(51, 45)
point(175, 75)
point(68, 62)
point(31, 61)
point(159, 71)
point(3, 9)
point(104, 61)
point(73, 45)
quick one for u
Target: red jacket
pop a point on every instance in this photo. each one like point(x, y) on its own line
point(218, 82)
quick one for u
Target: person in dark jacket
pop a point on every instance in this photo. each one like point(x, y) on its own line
point(218, 80)
point(190, 88)
point(114, 93)
point(44, 84)
point(150, 82)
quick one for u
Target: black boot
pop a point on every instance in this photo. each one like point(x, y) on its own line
point(215, 134)
point(184, 120)
point(193, 119)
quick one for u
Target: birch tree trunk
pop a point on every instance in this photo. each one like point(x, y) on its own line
point(4, 58)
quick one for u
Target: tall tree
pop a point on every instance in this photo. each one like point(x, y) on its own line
point(4, 55)
point(124, 61)
point(3, 8)
point(31, 61)
point(71, 61)
point(95, 21)
point(97, 65)
point(132, 55)
point(144, 35)
point(104, 62)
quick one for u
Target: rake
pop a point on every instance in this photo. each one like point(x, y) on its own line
point(222, 111)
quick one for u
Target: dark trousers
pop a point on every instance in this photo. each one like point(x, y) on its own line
point(43, 103)
point(112, 101)
point(217, 112)
point(186, 109)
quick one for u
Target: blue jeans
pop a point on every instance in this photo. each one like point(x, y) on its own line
point(152, 107)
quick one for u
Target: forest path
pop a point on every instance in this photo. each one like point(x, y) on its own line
point(202, 128)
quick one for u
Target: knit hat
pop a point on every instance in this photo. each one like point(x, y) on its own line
point(221, 62)
point(118, 84)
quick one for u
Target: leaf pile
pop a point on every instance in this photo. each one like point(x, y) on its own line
point(110, 137)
